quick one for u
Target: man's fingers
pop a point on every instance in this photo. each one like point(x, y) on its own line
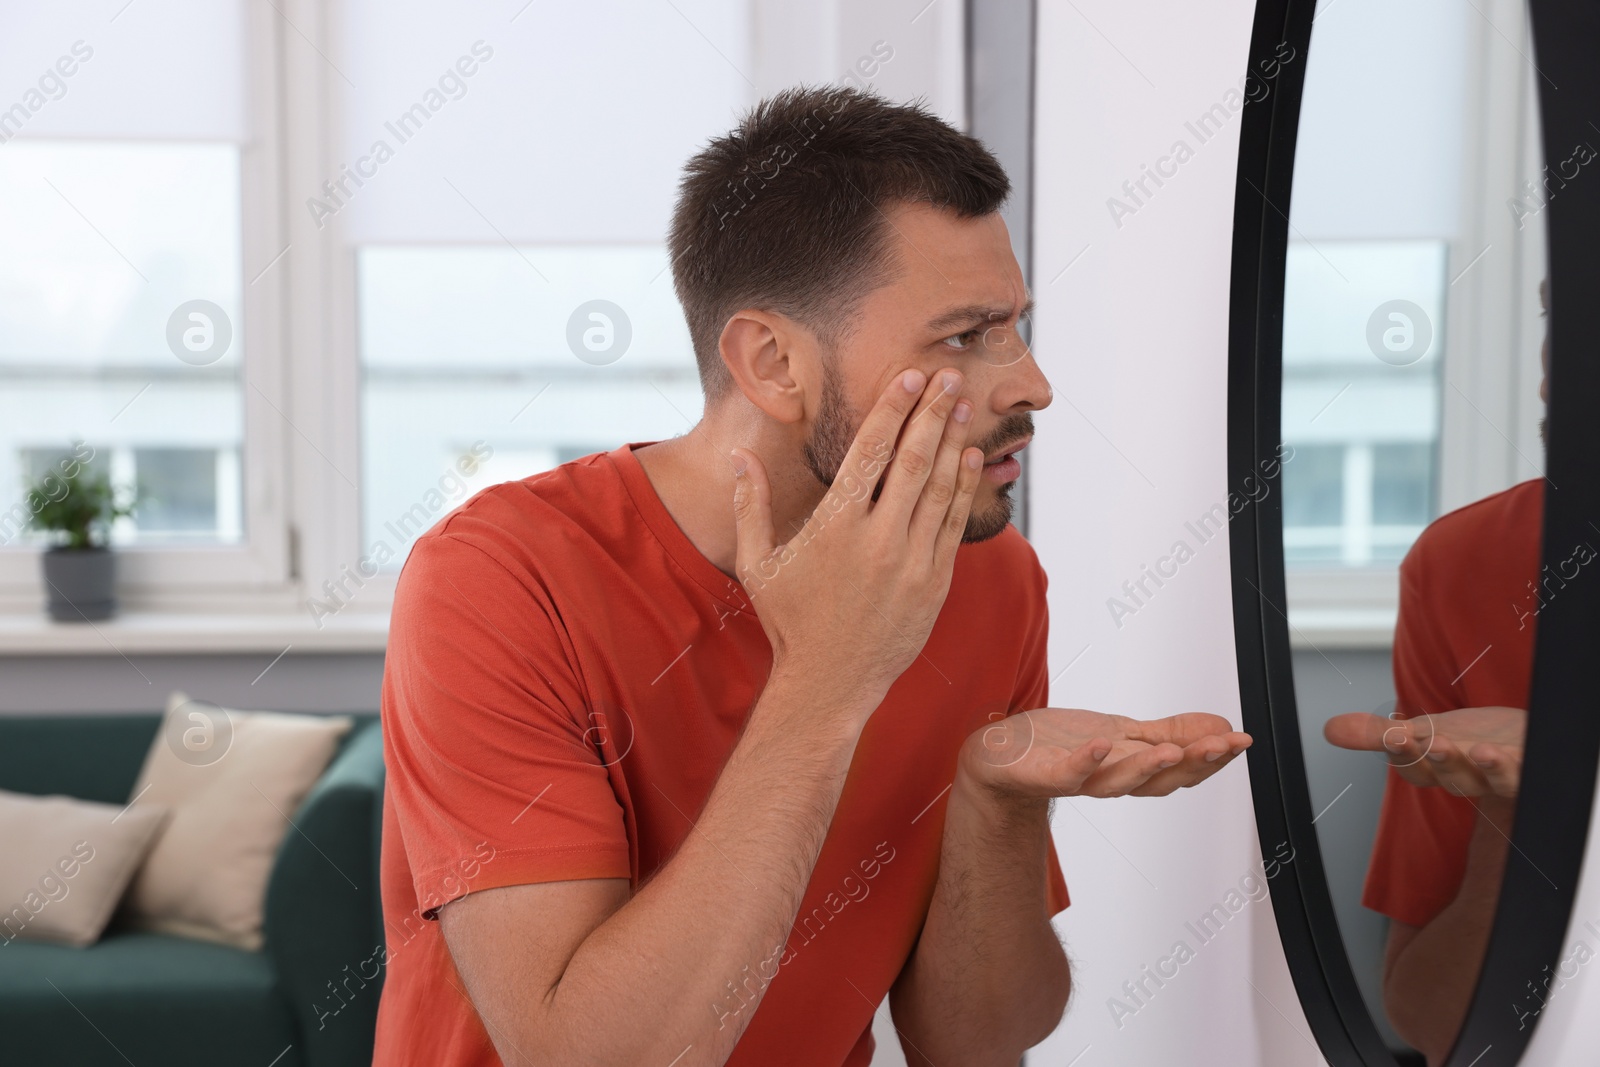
point(1060, 772)
point(1200, 761)
point(1129, 773)
point(944, 482)
point(1237, 741)
point(1443, 749)
point(874, 446)
point(752, 515)
point(1363, 732)
point(1068, 777)
point(954, 526)
point(1409, 756)
point(1454, 771)
point(1501, 765)
point(917, 451)
point(1398, 739)
point(1182, 730)
point(1166, 766)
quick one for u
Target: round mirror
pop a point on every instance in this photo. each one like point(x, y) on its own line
point(1402, 576)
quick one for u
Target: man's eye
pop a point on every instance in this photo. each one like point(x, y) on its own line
point(962, 340)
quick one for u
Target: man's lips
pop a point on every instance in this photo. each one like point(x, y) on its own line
point(1008, 451)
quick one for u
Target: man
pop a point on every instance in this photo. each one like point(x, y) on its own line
point(699, 748)
point(1471, 588)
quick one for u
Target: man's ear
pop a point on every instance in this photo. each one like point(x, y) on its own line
point(774, 362)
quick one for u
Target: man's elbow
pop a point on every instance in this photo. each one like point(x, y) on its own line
point(1055, 993)
point(1417, 1024)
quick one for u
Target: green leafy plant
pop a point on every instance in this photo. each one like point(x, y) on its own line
point(79, 507)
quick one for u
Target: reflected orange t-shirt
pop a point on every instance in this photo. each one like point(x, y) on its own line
point(1469, 599)
point(566, 675)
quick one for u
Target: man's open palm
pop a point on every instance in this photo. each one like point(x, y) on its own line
point(1469, 751)
point(1058, 752)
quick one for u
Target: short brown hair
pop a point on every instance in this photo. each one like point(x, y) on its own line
point(786, 212)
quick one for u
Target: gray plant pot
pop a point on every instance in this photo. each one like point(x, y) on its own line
point(80, 583)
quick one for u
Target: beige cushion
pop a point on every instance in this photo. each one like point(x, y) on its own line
point(233, 780)
point(65, 863)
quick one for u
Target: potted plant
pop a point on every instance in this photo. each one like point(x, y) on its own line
point(77, 508)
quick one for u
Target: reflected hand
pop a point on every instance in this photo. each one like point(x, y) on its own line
point(1064, 752)
point(1470, 751)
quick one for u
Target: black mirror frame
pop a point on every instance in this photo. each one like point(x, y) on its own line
point(1563, 741)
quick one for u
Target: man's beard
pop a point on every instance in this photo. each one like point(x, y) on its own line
point(835, 431)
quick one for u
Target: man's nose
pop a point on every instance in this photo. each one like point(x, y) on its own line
point(1013, 377)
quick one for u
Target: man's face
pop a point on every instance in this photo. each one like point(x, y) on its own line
point(954, 299)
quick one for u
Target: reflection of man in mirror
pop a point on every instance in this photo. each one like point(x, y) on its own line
point(1471, 590)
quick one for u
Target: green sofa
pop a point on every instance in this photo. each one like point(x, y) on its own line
point(309, 998)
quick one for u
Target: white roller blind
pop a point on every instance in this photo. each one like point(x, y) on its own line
point(564, 123)
point(169, 69)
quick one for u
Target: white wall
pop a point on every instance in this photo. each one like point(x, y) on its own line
point(1134, 338)
point(1133, 335)
point(1569, 1027)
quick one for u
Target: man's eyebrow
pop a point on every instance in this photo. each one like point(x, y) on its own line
point(975, 315)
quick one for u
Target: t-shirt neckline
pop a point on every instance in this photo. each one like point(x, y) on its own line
point(668, 533)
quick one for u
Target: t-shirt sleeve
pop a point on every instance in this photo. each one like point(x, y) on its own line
point(1419, 855)
point(492, 764)
point(1034, 692)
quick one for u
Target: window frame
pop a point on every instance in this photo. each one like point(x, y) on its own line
point(256, 573)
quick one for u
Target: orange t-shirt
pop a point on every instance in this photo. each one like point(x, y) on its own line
point(566, 676)
point(1464, 639)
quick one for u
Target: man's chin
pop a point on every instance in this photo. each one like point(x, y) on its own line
point(988, 521)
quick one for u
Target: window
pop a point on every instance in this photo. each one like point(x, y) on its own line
point(1411, 312)
point(383, 330)
point(483, 364)
point(138, 311)
point(1313, 504)
point(1354, 496)
point(1402, 490)
point(85, 321)
point(513, 302)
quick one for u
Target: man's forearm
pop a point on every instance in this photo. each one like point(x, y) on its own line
point(1428, 984)
point(679, 969)
point(988, 978)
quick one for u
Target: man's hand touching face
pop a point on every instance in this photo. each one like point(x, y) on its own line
point(1065, 752)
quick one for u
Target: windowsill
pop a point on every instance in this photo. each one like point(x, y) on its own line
point(171, 632)
point(1348, 628)
point(166, 633)
point(1351, 609)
